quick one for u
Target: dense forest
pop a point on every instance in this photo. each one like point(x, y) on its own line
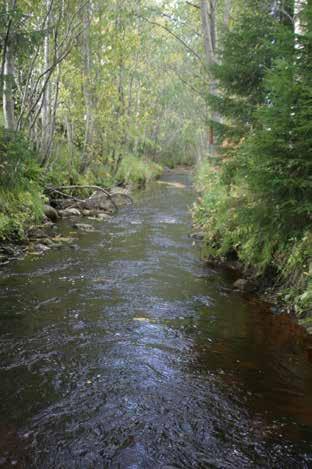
point(109, 93)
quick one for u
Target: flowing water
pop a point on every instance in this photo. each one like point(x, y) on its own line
point(126, 351)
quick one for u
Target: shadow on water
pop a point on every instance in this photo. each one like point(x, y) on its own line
point(128, 352)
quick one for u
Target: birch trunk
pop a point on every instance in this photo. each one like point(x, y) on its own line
point(227, 13)
point(8, 75)
point(46, 96)
point(53, 103)
point(208, 22)
point(87, 91)
point(298, 7)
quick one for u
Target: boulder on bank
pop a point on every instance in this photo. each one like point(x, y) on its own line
point(86, 213)
point(37, 233)
point(50, 213)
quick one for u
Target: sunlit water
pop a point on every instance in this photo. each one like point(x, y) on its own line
point(127, 351)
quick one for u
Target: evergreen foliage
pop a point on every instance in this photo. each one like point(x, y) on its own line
point(260, 200)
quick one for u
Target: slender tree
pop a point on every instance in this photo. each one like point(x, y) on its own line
point(8, 67)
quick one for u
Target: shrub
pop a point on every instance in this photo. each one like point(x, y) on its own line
point(21, 201)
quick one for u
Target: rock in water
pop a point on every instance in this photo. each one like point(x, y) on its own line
point(83, 227)
point(198, 236)
point(103, 216)
point(41, 248)
point(70, 212)
point(50, 213)
point(243, 285)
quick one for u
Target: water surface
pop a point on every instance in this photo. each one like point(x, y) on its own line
point(124, 350)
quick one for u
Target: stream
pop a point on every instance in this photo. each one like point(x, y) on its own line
point(125, 350)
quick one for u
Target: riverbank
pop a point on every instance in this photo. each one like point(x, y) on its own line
point(267, 288)
point(33, 198)
point(42, 237)
point(37, 236)
point(62, 206)
point(273, 264)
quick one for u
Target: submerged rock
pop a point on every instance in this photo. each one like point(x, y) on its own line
point(243, 284)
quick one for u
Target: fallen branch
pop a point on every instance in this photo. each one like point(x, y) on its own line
point(87, 186)
point(63, 194)
point(59, 190)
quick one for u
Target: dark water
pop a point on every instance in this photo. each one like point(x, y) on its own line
point(129, 352)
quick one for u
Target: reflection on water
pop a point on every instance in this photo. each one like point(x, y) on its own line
point(128, 352)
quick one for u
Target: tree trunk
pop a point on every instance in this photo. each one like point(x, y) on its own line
point(87, 91)
point(46, 96)
point(227, 12)
point(8, 75)
point(69, 134)
point(52, 118)
point(298, 7)
point(208, 21)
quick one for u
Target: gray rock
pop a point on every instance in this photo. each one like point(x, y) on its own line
point(242, 285)
point(103, 216)
point(41, 247)
point(198, 236)
point(51, 213)
point(37, 233)
point(86, 213)
point(70, 212)
point(3, 259)
point(83, 227)
point(48, 242)
point(106, 206)
point(8, 250)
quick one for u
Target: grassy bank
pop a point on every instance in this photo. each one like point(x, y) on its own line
point(22, 181)
point(137, 172)
point(235, 224)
